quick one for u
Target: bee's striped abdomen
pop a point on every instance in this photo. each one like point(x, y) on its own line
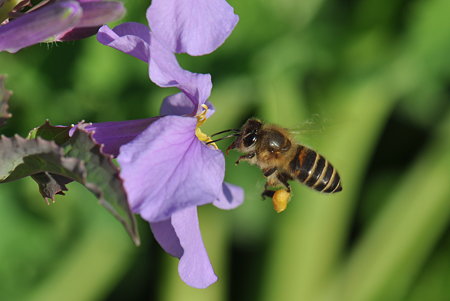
point(313, 170)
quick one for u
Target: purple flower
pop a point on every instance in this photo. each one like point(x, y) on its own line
point(168, 171)
point(55, 21)
point(196, 27)
point(167, 167)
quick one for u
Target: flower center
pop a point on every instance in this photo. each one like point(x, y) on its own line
point(201, 118)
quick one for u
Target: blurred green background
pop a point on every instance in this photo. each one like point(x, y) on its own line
point(377, 75)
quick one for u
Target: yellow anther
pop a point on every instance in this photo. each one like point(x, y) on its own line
point(201, 118)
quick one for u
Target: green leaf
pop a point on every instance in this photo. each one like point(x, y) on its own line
point(51, 184)
point(21, 157)
point(4, 97)
point(58, 134)
point(102, 178)
point(53, 166)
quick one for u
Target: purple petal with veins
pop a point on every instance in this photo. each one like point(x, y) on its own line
point(135, 39)
point(165, 71)
point(130, 38)
point(167, 238)
point(179, 104)
point(196, 27)
point(166, 169)
point(231, 197)
point(114, 134)
point(95, 14)
point(77, 34)
point(180, 236)
point(194, 267)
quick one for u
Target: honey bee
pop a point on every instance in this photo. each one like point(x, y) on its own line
point(273, 149)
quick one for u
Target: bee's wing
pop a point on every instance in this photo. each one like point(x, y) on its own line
point(316, 125)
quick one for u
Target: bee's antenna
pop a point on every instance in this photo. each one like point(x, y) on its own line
point(226, 137)
point(226, 131)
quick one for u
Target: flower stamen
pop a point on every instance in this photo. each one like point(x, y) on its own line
point(201, 118)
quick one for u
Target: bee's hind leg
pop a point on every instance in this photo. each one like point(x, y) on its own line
point(275, 179)
point(267, 193)
point(272, 178)
point(284, 178)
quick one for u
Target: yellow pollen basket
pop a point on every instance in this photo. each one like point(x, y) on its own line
point(201, 118)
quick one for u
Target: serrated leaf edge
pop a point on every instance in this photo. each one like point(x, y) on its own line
point(81, 127)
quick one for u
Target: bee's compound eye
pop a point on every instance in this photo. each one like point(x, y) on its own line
point(249, 140)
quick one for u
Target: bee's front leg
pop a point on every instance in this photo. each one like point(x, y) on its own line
point(246, 157)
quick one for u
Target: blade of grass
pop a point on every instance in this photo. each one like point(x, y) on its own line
point(388, 258)
point(433, 282)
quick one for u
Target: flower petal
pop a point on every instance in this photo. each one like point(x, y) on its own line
point(77, 34)
point(39, 25)
point(114, 134)
point(165, 71)
point(95, 14)
point(166, 169)
point(180, 236)
point(196, 27)
point(179, 104)
point(194, 268)
point(231, 197)
point(135, 39)
point(131, 38)
point(167, 238)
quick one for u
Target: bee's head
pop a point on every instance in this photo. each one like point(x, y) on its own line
point(248, 136)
